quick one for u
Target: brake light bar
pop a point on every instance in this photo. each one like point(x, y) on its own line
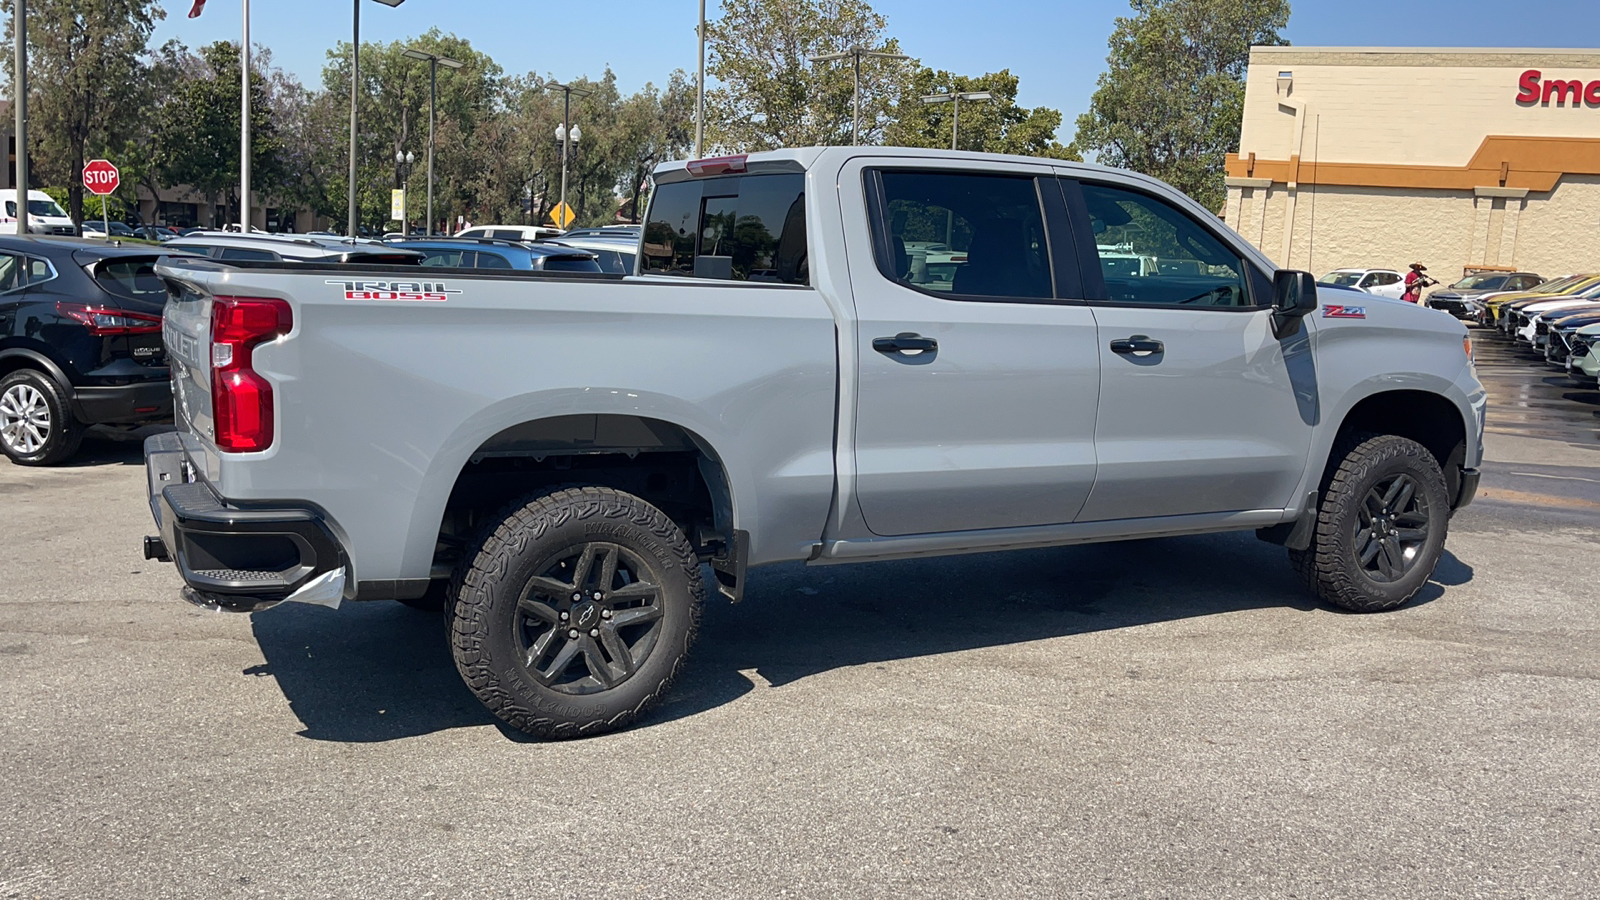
point(106, 322)
point(718, 165)
point(241, 400)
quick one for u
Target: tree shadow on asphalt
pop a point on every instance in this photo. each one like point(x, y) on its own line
point(380, 671)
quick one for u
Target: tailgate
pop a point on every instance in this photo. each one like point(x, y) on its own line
point(186, 331)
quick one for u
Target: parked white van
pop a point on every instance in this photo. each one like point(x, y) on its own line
point(45, 216)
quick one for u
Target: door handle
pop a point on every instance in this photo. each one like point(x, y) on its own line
point(1139, 343)
point(905, 341)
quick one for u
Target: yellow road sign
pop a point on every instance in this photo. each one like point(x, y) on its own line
point(562, 215)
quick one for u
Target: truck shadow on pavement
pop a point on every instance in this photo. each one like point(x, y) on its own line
point(380, 671)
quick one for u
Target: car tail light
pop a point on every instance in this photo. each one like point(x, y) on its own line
point(1466, 344)
point(719, 165)
point(241, 400)
point(105, 322)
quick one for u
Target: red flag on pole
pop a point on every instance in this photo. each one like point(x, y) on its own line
point(199, 7)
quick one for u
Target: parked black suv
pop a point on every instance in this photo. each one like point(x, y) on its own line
point(80, 343)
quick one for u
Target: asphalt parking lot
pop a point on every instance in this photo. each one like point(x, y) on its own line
point(1169, 718)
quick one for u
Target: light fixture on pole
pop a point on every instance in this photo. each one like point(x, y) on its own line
point(404, 160)
point(355, 82)
point(856, 53)
point(19, 100)
point(567, 133)
point(956, 98)
point(434, 61)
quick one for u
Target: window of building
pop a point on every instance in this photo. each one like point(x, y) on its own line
point(1153, 253)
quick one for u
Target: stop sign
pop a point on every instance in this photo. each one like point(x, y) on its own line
point(101, 177)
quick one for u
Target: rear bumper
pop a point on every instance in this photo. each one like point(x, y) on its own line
point(123, 404)
point(232, 558)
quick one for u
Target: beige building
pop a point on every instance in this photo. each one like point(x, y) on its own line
point(1454, 158)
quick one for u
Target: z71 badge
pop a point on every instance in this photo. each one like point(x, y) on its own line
point(1344, 312)
point(402, 291)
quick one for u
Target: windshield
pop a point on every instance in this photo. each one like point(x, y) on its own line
point(1480, 282)
point(1340, 279)
point(37, 208)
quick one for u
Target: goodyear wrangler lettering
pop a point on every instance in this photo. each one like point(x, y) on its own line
point(396, 291)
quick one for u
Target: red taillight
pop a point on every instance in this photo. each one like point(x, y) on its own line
point(720, 165)
point(241, 400)
point(105, 322)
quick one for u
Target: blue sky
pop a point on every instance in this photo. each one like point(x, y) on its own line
point(1058, 47)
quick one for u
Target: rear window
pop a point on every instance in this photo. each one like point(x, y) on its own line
point(570, 264)
point(135, 279)
point(247, 255)
point(487, 260)
point(743, 228)
point(452, 259)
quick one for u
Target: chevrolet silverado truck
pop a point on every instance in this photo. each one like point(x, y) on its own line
point(561, 458)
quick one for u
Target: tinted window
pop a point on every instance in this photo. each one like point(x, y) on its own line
point(613, 262)
point(134, 278)
point(487, 260)
point(452, 259)
point(570, 264)
point(1153, 253)
point(745, 228)
point(11, 272)
point(247, 254)
point(965, 234)
point(510, 234)
point(1337, 279)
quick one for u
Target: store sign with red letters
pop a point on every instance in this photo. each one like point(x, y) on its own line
point(1533, 87)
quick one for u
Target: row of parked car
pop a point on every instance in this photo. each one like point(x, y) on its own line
point(1558, 319)
point(80, 319)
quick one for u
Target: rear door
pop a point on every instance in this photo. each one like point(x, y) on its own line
point(977, 372)
point(1202, 409)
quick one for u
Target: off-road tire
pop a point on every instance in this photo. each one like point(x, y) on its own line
point(486, 622)
point(1330, 567)
point(63, 434)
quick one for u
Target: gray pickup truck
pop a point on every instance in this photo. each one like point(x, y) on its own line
point(832, 355)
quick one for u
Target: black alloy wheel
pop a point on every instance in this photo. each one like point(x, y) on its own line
point(590, 619)
point(1391, 528)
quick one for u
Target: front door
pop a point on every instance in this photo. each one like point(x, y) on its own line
point(1202, 408)
point(977, 374)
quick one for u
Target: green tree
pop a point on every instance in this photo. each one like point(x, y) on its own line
point(1171, 101)
point(995, 126)
point(197, 133)
point(86, 71)
point(771, 95)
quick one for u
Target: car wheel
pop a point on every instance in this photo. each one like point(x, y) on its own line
point(576, 613)
point(1381, 526)
point(36, 423)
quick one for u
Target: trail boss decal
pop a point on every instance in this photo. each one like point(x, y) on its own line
point(1344, 312)
point(403, 291)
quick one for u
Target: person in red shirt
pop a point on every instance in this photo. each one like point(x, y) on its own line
point(1415, 282)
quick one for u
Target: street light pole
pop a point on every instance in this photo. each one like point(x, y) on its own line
point(566, 133)
point(355, 81)
point(434, 62)
point(19, 86)
point(244, 130)
point(700, 88)
point(956, 97)
point(856, 53)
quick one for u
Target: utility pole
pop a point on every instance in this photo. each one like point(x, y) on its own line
point(856, 53)
point(355, 81)
point(19, 84)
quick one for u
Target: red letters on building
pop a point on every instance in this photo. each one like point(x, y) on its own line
point(1530, 90)
point(1528, 86)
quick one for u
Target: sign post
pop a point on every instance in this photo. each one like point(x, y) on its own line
point(102, 180)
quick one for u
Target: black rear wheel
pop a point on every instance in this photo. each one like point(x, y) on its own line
point(577, 612)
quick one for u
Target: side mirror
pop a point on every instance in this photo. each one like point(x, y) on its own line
point(1294, 294)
